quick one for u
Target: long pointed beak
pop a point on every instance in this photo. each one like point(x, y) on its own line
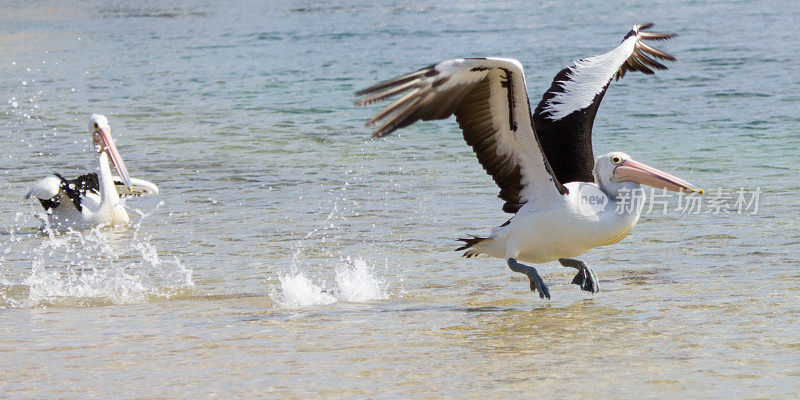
point(113, 153)
point(634, 171)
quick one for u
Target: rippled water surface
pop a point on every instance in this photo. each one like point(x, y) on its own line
point(289, 255)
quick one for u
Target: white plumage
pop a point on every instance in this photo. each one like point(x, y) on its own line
point(587, 79)
point(93, 198)
point(564, 202)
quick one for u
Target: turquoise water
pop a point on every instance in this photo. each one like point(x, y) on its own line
point(289, 255)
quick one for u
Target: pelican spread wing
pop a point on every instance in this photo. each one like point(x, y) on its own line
point(54, 189)
point(531, 157)
point(139, 187)
point(564, 117)
point(489, 98)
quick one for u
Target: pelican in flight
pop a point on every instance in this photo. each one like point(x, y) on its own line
point(93, 198)
point(565, 202)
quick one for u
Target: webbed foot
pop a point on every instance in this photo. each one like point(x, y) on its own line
point(585, 278)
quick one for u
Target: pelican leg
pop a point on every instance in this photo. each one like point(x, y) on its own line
point(585, 278)
point(536, 281)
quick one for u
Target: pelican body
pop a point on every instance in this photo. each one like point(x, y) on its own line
point(565, 202)
point(93, 198)
point(570, 227)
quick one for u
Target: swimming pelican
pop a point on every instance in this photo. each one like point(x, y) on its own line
point(564, 201)
point(93, 198)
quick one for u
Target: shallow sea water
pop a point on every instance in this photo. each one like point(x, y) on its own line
point(290, 256)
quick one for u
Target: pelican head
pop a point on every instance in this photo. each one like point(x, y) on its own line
point(613, 170)
point(101, 135)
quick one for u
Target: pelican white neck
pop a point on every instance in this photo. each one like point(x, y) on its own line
point(103, 143)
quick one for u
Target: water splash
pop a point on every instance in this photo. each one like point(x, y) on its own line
point(355, 282)
point(298, 291)
point(104, 265)
point(328, 247)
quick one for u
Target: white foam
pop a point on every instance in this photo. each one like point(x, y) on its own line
point(354, 280)
point(94, 267)
point(357, 284)
point(298, 291)
point(101, 285)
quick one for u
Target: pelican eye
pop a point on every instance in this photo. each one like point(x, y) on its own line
point(96, 127)
point(616, 160)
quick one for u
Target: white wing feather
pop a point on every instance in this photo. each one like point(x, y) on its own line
point(46, 188)
point(139, 187)
point(587, 78)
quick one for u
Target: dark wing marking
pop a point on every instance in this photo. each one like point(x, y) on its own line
point(76, 188)
point(490, 101)
point(565, 115)
point(49, 204)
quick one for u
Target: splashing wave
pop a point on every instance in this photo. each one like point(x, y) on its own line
point(95, 267)
point(355, 283)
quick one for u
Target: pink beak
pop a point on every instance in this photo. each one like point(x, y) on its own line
point(113, 153)
point(634, 171)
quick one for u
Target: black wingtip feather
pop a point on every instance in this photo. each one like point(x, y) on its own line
point(469, 242)
point(641, 29)
point(643, 57)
